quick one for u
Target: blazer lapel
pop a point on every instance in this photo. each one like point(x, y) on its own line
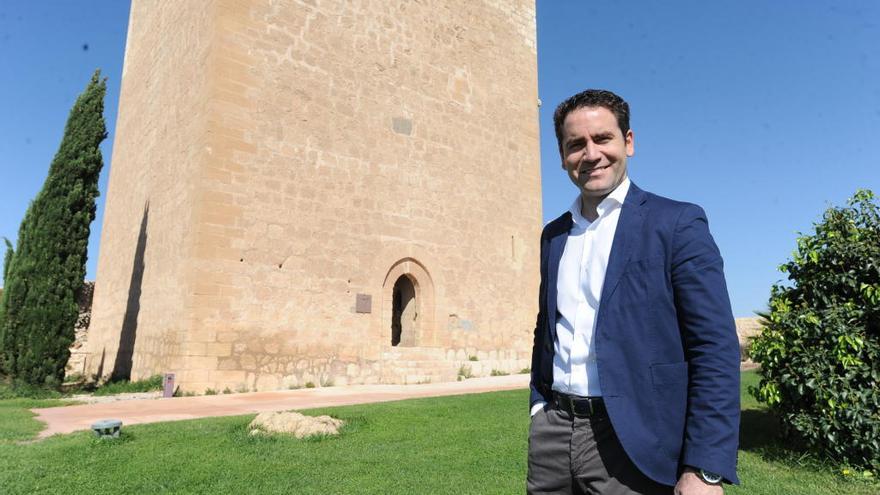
point(557, 245)
point(629, 225)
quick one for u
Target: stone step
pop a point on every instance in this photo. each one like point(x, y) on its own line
point(410, 365)
point(476, 367)
point(414, 354)
point(415, 378)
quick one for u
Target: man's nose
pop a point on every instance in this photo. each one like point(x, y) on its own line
point(591, 153)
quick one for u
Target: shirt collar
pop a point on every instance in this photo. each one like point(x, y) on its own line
point(614, 199)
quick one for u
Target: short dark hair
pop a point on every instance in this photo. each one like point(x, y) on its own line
point(592, 98)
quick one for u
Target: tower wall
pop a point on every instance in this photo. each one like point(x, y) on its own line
point(147, 237)
point(324, 150)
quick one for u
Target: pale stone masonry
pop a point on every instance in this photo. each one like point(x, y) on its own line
point(321, 191)
point(748, 328)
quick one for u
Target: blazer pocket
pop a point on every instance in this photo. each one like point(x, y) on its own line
point(670, 385)
point(669, 373)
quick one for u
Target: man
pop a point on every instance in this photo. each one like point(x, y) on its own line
point(635, 365)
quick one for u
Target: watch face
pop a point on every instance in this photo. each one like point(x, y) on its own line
point(710, 477)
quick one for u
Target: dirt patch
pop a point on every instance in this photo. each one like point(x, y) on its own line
point(294, 423)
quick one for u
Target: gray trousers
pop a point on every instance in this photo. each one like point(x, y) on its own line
point(572, 455)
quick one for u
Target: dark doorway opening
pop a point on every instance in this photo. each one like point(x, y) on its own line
point(404, 313)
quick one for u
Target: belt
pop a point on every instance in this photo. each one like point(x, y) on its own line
point(581, 407)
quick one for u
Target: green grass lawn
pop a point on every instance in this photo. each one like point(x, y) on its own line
point(16, 421)
point(464, 444)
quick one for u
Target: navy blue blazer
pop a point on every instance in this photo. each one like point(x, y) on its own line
point(666, 344)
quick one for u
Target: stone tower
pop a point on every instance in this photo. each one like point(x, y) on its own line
point(321, 191)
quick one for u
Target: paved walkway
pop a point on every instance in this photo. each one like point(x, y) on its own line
point(74, 418)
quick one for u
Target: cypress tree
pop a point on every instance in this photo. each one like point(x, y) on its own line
point(7, 260)
point(38, 309)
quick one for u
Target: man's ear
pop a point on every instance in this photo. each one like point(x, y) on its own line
point(630, 143)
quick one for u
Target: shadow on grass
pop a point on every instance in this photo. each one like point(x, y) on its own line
point(100, 443)
point(760, 433)
point(758, 430)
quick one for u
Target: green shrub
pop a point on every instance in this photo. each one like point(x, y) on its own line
point(495, 372)
point(820, 348)
point(130, 387)
point(23, 390)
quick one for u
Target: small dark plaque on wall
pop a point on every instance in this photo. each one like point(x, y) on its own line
point(363, 303)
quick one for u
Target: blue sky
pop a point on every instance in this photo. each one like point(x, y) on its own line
point(764, 113)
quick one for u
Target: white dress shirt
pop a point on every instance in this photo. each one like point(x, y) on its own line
point(579, 285)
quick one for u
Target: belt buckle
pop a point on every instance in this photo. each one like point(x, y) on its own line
point(574, 410)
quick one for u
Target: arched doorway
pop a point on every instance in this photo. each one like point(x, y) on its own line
point(408, 305)
point(404, 313)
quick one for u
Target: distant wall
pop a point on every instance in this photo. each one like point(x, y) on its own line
point(746, 328)
point(76, 363)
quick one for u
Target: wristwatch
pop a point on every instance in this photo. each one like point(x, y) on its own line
point(710, 477)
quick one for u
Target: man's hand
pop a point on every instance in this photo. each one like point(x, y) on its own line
point(690, 483)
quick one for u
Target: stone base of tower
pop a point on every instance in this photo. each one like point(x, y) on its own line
point(397, 365)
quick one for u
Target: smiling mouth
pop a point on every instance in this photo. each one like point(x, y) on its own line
point(594, 169)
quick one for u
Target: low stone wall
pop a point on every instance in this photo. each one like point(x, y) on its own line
point(746, 328)
point(397, 365)
point(76, 363)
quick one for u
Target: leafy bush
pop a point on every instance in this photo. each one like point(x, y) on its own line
point(820, 347)
point(22, 390)
point(150, 384)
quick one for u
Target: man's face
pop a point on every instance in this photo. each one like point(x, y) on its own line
point(594, 150)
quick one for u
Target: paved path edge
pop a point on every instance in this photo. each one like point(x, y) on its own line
point(68, 419)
